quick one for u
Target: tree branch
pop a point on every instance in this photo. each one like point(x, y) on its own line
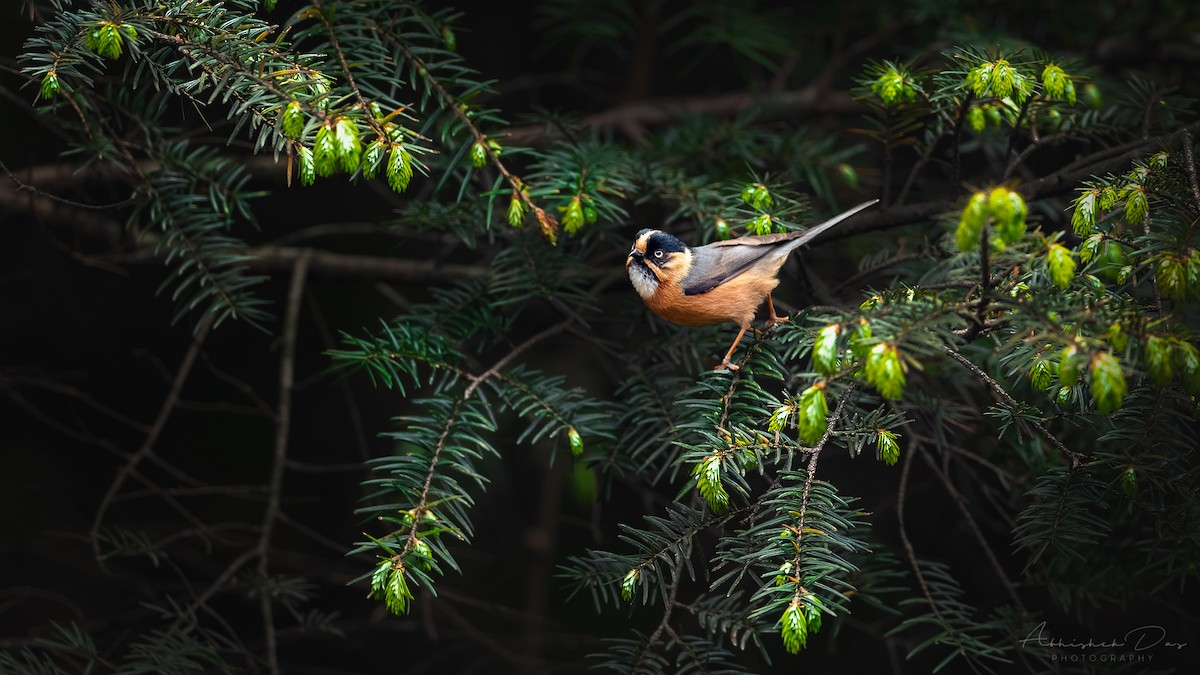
point(156, 429)
point(287, 365)
point(1076, 458)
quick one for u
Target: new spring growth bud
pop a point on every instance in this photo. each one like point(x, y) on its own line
point(848, 174)
point(292, 120)
point(1187, 361)
point(1040, 373)
point(721, 228)
point(1057, 84)
point(379, 577)
point(760, 224)
point(399, 168)
point(325, 151)
point(1061, 265)
point(629, 584)
point(449, 39)
point(707, 473)
point(1136, 205)
point(887, 450)
point(757, 195)
point(999, 79)
point(812, 414)
point(1129, 484)
point(516, 210)
point(1083, 218)
point(779, 418)
point(304, 158)
point(860, 339)
point(49, 85)
point(892, 86)
point(1108, 198)
point(976, 120)
point(1008, 210)
point(478, 155)
point(825, 350)
point(423, 554)
point(1158, 357)
point(106, 39)
point(373, 158)
point(993, 114)
point(572, 218)
point(970, 225)
point(1117, 337)
point(576, 441)
point(590, 214)
point(1108, 382)
point(1069, 362)
point(1171, 277)
point(979, 78)
point(396, 592)
point(785, 570)
point(812, 612)
point(349, 146)
point(794, 627)
point(885, 371)
point(1053, 118)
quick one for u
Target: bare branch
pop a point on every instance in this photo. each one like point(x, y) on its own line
point(283, 418)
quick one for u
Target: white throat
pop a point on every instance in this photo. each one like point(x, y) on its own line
point(643, 280)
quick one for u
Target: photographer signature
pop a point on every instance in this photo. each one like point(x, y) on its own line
point(1137, 639)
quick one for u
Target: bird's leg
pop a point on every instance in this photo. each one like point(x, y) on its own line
point(725, 364)
point(773, 318)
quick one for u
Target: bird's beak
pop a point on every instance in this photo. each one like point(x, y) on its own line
point(633, 256)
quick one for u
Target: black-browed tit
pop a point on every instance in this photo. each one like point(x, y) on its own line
point(722, 281)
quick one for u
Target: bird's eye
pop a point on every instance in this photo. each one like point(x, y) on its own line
point(658, 253)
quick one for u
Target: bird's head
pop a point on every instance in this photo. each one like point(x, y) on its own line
point(656, 258)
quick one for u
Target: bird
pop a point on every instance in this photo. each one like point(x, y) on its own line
point(718, 282)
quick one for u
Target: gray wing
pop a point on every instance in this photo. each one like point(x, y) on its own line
point(716, 263)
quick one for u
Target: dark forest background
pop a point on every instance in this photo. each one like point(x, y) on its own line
point(139, 444)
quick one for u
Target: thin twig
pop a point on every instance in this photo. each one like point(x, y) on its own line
point(1076, 458)
point(1189, 156)
point(287, 366)
point(973, 526)
point(156, 429)
point(547, 222)
point(916, 169)
point(1063, 180)
point(668, 609)
point(477, 380)
point(25, 187)
point(350, 81)
point(901, 494)
point(985, 285)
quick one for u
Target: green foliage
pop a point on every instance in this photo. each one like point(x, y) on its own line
point(1020, 321)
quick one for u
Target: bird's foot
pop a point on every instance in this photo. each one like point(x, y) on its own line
point(726, 364)
point(773, 321)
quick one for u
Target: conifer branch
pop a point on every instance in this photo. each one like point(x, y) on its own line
point(1076, 458)
point(547, 222)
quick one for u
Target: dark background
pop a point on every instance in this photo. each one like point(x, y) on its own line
point(88, 352)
